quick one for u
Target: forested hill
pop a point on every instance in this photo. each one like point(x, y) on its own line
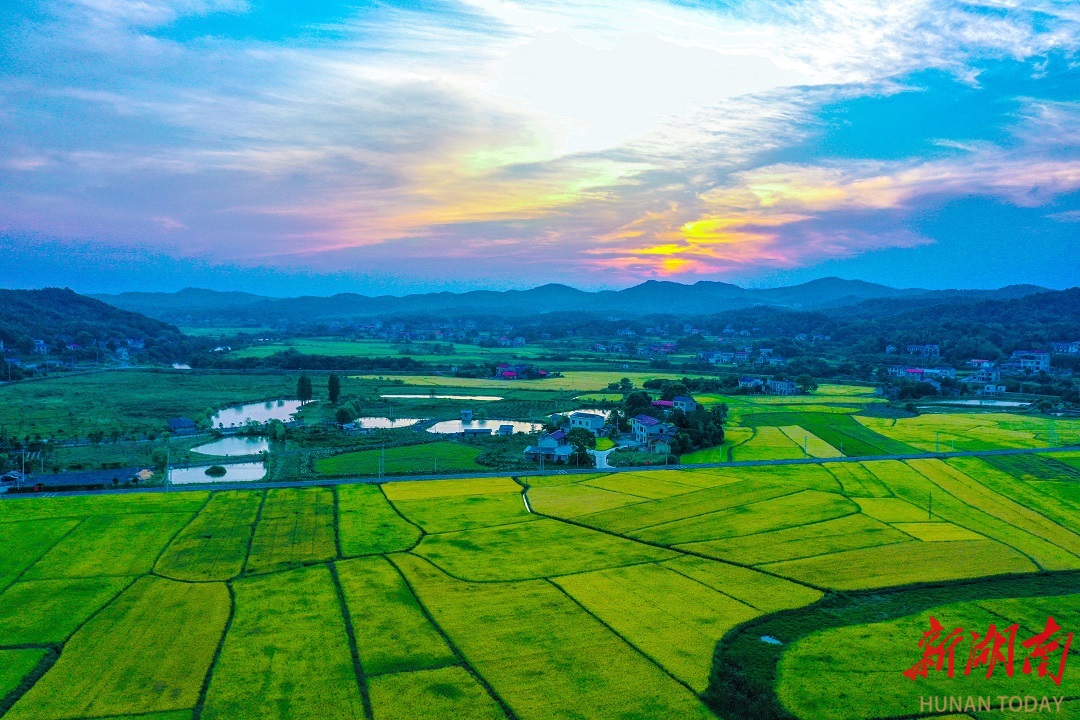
point(60, 316)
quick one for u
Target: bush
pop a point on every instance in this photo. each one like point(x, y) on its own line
point(215, 471)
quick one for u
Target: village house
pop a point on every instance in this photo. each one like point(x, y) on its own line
point(40, 347)
point(988, 375)
point(980, 363)
point(751, 382)
point(1061, 348)
point(649, 431)
point(471, 432)
point(506, 430)
point(890, 349)
point(1033, 360)
point(924, 350)
point(684, 403)
point(589, 421)
point(781, 387)
point(991, 390)
point(181, 426)
point(551, 447)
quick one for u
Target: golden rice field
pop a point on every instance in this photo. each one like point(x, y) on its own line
point(565, 596)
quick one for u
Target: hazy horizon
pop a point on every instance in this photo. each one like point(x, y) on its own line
point(359, 291)
point(392, 147)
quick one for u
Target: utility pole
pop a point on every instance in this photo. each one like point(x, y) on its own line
point(937, 441)
point(804, 441)
point(930, 507)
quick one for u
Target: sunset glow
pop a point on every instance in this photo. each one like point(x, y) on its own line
point(381, 147)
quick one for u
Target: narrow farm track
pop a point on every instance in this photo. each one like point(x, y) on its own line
point(330, 481)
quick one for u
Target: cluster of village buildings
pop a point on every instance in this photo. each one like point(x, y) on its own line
point(648, 432)
point(987, 375)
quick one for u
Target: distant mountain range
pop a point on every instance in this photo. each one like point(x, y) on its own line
point(198, 307)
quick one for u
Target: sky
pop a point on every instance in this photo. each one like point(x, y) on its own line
point(293, 147)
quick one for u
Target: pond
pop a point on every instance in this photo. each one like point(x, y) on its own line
point(261, 412)
point(453, 427)
point(236, 472)
point(233, 446)
point(477, 398)
point(382, 422)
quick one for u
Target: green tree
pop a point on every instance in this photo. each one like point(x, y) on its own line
point(303, 389)
point(276, 430)
point(333, 386)
point(625, 385)
point(343, 416)
point(580, 437)
point(674, 390)
point(806, 383)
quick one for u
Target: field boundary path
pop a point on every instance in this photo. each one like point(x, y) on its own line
point(374, 480)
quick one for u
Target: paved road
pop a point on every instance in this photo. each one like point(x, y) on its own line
point(535, 473)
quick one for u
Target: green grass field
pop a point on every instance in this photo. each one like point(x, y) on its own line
point(132, 401)
point(604, 597)
point(442, 457)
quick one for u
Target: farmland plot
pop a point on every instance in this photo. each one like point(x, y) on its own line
point(649, 485)
point(449, 488)
point(525, 550)
point(978, 496)
point(811, 443)
point(569, 501)
point(406, 460)
point(755, 486)
point(544, 655)
point(392, 632)
point(766, 593)
point(906, 483)
point(368, 524)
point(81, 506)
point(1062, 508)
point(38, 612)
point(444, 694)
point(904, 563)
point(25, 542)
point(287, 653)
point(820, 538)
point(768, 443)
point(464, 512)
point(937, 531)
point(673, 619)
point(109, 545)
point(856, 480)
point(148, 651)
point(214, 545)
point(16, 665)
point(800, 508)
point(296, 526)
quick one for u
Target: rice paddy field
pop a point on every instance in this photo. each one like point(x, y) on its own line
point(787, 591)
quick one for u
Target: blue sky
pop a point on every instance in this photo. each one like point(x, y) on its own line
point(291, 147)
